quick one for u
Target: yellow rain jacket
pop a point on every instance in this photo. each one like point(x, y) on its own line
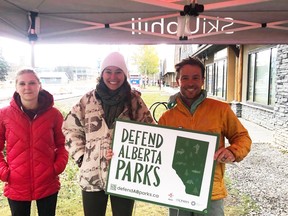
point(214, 117)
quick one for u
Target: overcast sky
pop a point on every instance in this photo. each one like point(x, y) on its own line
point(53, 55)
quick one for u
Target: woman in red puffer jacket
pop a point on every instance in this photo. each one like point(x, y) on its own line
point(35, 154)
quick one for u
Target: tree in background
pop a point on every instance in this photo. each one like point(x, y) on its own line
point(4, 67)
point(147, 60)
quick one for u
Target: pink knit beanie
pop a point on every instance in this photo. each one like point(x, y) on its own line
point(115, 59)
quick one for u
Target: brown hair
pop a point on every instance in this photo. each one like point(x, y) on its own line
point(190, 61)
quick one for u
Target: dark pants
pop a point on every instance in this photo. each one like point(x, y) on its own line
point(95, 203)
point(45, 206)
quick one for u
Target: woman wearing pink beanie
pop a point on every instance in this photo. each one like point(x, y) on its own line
point(88, 129)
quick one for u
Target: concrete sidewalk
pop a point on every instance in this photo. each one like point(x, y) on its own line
point(257, 133)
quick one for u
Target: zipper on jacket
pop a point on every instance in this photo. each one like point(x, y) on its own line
point(31, 161)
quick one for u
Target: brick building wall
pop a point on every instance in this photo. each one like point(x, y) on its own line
point(281, 105)
point(258, 115)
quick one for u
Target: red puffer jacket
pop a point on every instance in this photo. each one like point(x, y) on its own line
point(35, 152)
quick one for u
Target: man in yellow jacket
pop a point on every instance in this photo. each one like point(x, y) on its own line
point(191, 109)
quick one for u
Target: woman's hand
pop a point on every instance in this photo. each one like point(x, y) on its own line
point(109, 154)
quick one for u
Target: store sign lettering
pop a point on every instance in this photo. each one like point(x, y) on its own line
point(200, 26)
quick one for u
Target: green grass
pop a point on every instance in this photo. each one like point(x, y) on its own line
point(152, 96)
point(238, 204)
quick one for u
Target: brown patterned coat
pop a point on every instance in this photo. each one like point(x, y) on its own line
point(87, 134)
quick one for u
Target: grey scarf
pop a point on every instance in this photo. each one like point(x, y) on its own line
point(113, 102)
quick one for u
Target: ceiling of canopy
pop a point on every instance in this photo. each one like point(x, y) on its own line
point(145, 21)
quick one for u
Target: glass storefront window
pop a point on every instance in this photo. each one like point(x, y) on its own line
point(261, 76)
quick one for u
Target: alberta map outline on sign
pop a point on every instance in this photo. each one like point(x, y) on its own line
point(189, 163)
point(162, 165)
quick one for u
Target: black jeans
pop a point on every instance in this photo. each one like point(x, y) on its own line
point(95, 203)
point(45, 206)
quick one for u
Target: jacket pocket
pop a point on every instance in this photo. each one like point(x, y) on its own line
point(57, 170)
point(5, 172)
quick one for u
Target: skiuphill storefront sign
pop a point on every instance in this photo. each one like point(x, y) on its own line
point(173, 26)
point(165, 166)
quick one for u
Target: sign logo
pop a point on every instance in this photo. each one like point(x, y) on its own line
point(170, 196)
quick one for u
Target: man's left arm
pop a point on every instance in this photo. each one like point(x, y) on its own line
point(237, 135)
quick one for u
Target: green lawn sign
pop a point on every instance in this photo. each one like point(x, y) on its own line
point(162, 165)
